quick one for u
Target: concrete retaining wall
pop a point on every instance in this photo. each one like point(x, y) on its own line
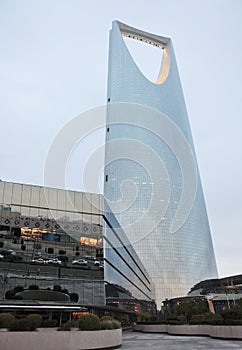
point(189, 329)
point(226, 332)
point(151, 328)
point(51, 339)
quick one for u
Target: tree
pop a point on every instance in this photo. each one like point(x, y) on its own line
point(188, 308)
point(143, 317)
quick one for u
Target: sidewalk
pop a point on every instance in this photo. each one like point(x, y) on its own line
point(145, 341)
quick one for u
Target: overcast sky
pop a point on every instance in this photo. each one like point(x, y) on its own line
point(53, 66)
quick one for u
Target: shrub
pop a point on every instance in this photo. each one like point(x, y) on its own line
point(175, 319)
point(211, 318)
point(182, 319)
point(155, 319)
point(49, 323)
point(89, 322)
point(207, 318)
point(106, 324)
point(36, 319)
point(143, 317)
point(33, 287)
point(10, 294)
point(22, 325)
point(231, 322)
point(6, 319)
point(106, 318)
point(197, 319)
point(74, 297)
point(74, 323)
point(18, 289)
point(68, 325)
point(116, 324)
point(57, 288)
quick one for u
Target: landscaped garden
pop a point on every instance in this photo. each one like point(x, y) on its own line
point(32, 329)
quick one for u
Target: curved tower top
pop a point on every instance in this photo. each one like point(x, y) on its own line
point(158, 41)
point(137, 34)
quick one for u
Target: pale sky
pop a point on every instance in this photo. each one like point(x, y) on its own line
point(53, 66)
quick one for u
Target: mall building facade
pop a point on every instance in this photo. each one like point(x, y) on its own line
point(45, 231)
point(152, 182)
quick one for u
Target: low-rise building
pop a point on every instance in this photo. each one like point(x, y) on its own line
point(44, 230)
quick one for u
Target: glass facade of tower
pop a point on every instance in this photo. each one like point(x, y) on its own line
point(122, 265)
point(152, 183)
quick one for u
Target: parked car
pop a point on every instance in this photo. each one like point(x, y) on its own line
point(99, 264)
point(13, 258)
point(6, 252)
point(39, 261)
point(62, 258)
point(55, 261)
point(81, 262)
point(89, 258)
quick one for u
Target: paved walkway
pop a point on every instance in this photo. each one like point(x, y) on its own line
point(145, 341)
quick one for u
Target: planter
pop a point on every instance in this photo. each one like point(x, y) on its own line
point(138, 328)
point(62, 340)
point(223, 332)
point(226, 332)
point(154, 328)
point(189, 329)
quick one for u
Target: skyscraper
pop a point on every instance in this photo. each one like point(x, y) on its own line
point(152, 183)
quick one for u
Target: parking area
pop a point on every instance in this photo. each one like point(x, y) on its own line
point(49, 270)
point(144, 341)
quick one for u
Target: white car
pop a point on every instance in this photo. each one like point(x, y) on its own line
point(99, 264)
point(89, 258)
point(79, 262)
point(39, 261)
point(55, 261)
